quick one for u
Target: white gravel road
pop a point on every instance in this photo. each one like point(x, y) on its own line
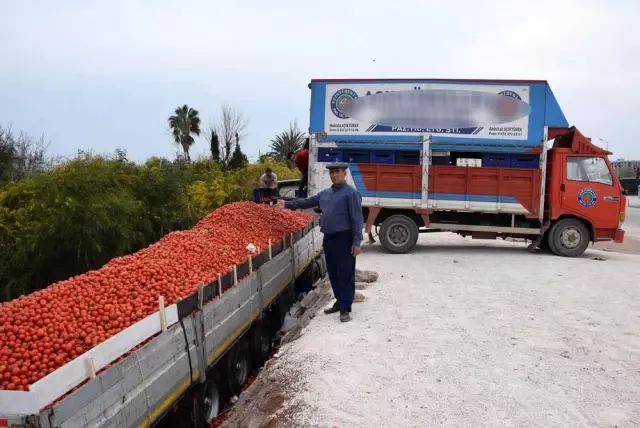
point(632, 223)
point(477, 334)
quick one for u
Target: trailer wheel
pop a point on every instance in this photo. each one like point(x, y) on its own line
point(211, 401)
point(260, 341)
point(198, 409)
point(569, 238)
point(236, 367)
point(398, 234)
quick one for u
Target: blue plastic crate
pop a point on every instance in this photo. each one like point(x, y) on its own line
point(496, 160)
point(409, 157)
point(383, 156)
point(356, 156)
point(329, 155)
point(440, 160)
point(525, 161)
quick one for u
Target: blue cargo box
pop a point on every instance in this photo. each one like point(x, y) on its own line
point(383, 156)
point(496, 160)
point(356, 156)
point(440, 160)
point(329, 155)
point(408, 157)
point(525, 161)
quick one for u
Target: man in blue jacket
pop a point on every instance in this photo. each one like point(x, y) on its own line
point(341, 223)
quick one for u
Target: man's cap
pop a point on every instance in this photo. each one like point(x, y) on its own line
point(338, 165)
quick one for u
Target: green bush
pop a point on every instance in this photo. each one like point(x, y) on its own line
point(74, 219)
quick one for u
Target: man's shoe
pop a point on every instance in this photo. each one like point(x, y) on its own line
point(333, 309)
point(344, 316)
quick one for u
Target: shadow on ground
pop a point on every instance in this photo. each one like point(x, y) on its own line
point(599, 250)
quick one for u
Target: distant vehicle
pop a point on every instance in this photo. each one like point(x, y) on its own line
point(630, 185)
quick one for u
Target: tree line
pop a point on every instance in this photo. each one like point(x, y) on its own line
point(224, 137)
point(63, 217)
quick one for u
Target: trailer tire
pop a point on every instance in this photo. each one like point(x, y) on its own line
point(398, 234)
point(198, 407)
point(211, 400)
point(236, 367)
point(260, 341)
point(569, 237)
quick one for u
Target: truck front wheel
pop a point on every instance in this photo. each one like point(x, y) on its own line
point(569, 238)
point(398, 234)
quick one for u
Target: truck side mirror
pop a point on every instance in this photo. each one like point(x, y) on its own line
point(625, 192)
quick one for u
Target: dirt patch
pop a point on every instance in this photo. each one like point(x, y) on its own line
point(263, 400)
point(631, 245)
point(264, 403)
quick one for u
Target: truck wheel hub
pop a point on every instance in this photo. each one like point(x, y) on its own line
point(240, 370)
point(570, 237)
point(398, 235)
point(264, 344)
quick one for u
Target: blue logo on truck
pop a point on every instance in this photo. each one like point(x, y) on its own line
point(339, 101)
point(587, 197)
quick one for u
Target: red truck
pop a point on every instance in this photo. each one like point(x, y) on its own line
point(486, 159)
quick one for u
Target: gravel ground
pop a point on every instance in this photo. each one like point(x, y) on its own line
point(631, 226)
point(476, 334)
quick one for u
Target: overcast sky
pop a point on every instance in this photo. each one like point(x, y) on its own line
point(106, 74)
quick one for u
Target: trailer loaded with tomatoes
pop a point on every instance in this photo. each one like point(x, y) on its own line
point(177, 325)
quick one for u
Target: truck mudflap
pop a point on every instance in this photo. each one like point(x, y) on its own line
point(618, 237)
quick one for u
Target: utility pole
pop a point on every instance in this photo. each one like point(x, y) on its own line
point(604, 141)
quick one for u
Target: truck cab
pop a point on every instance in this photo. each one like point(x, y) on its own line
point(585, 201)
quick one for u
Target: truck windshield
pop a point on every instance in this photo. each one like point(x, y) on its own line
point(588, 169)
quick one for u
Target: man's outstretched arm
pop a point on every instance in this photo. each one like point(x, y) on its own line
point(301, 204)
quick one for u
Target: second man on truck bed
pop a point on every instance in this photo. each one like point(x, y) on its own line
point(341, 223)
point(301, 159)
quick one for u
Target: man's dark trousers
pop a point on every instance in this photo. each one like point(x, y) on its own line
point(302, 190)
point(341, 266)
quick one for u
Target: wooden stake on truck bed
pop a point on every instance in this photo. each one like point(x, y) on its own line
point(91, 367)
point(163, 314)
point(200, 294)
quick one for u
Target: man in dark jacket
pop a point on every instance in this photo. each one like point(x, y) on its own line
point(341, 223)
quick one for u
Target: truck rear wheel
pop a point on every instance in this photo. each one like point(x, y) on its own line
point(236, 367)
point(211, 401)
point(569, 238)
point(260, 341)
point(398, 234)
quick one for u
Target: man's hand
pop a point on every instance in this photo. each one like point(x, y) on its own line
point(355, 251)
point(279, 205)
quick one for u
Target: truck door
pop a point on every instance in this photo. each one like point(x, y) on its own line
point(589, 190)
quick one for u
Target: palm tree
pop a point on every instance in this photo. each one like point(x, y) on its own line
point(185, 122)
point(286, 142)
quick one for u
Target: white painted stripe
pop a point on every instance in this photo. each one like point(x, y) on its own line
point(445, 205)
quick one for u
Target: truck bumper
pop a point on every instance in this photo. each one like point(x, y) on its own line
point(618, 237)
